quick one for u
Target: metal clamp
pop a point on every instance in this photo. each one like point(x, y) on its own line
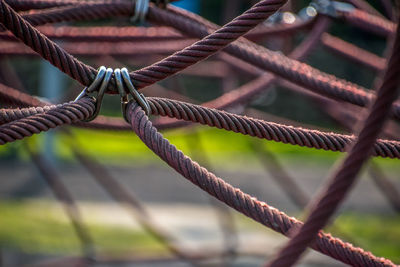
point(103, 77)
point(123, 80)
point(332, 8)
point(141, 8)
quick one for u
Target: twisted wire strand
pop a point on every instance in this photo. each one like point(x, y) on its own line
point(235, 198)
point(209, 44)
point(146, 76)
point(275, 62)
point(46, 48)
point(262, 129)
point(131, 33)
point(222, 120)
point(340, 182)
point(59, 115)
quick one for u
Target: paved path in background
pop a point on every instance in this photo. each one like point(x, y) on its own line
point(183, 209)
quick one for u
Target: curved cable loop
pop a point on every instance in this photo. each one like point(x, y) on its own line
point(123, 80)
point(102, 78)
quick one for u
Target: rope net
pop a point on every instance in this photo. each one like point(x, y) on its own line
point(258, 44)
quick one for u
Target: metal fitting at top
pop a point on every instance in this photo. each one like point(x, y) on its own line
point(141, 8)
point(331, 8)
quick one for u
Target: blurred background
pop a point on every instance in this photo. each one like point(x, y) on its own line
point(35, 228)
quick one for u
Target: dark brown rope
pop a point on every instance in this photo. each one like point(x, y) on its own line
point(235, 198)
point(146, 76)
point(59, 115)
point(214, 118)
point(295, 71)
point(340, 182)
point(279, 64)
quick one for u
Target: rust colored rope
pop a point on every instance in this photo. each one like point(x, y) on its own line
point(94, 49)
point(23, 5)
point(59, 115)
point(353, 53)
point(263, 129)
point(131, 33)
point(12, 98)
point(146, 76)
point(235, 198)
point(327, 201)
point(231, 122)
point(295, 71)
point(277, 63)
point(370, 23)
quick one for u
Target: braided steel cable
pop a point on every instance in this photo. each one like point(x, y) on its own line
point(156, 72)
point(131, 33)
point(340, 182)
point(275, 62)
point(235, 198)
point(293, 70)
point(262, 129)
point(59, 115)
point(228, 121)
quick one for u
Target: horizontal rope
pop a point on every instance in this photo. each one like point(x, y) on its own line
point(58, 115)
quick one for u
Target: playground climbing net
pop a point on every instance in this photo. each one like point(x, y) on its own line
point(195, 39)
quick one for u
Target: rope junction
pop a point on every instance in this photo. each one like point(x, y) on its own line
point(238, 44)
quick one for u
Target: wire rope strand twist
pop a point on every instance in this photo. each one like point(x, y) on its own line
point(151, 74)
point(235, 198)
point(339, 183)
point(65, 114)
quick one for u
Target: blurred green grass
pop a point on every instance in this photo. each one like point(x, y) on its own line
point(34, 227)
point(225, 149)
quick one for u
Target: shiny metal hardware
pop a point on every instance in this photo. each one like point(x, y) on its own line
point(124, 81)
point(141, 8)
point(332, 8)
point(103, 78)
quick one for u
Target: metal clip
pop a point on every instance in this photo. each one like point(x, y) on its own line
point(332, 8)
point(103, 77)
point(141, 8)
point(122, 79)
